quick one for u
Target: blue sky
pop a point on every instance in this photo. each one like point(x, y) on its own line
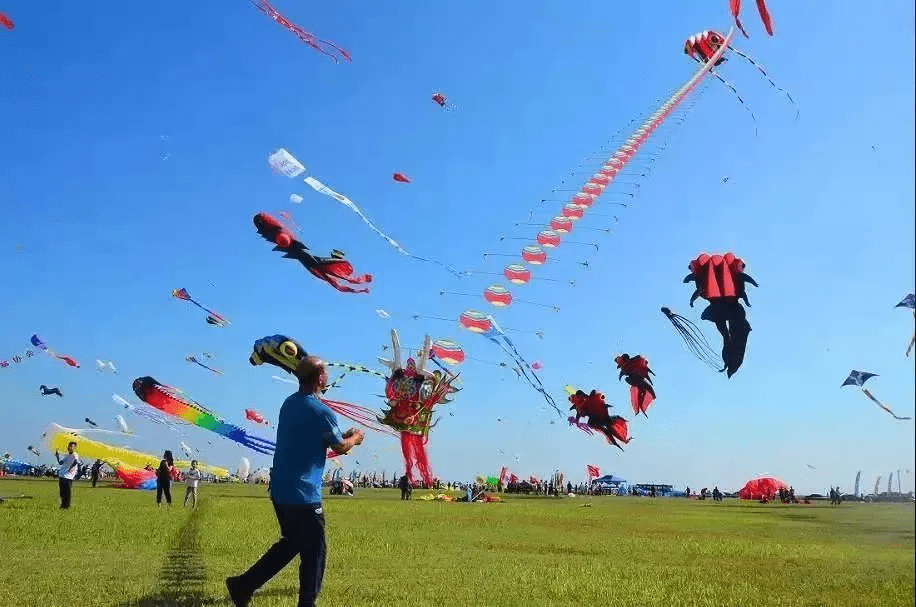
point(99, 228)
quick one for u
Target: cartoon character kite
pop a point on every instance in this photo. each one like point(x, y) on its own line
point(329, 269)
point(858, 378)
point(594, 407)
point(636, 370)
point(720, 280)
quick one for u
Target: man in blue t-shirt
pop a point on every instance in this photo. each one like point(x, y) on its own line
point(306, 429)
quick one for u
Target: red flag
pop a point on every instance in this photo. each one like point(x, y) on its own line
point(593, 471)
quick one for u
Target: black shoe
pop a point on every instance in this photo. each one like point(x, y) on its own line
point(237, 593)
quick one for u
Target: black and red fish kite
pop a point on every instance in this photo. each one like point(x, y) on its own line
point(636, 370)
point(329, 269)
point(720, 280)
point(594, 407)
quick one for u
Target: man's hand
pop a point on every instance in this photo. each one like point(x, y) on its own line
point(356, 433)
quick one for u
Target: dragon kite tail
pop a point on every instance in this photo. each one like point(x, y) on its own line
point(261, 445)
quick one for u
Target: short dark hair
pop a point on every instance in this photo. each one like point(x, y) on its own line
point(73, 442)
point(309, 371)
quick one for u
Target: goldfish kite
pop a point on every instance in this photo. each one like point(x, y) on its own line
point(400, 177)
point(636, 370)
point(322, 46)
point(331, 269)
point(411, 393)
point(442, 101)
point(720, 280)
point(909, 302)
point(594, 407)
point(170, 401)
point(858, 378)
point(213, 318)
point(46, 391)
point(6, 22)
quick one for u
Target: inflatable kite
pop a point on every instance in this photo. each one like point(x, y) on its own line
point(909, 302)
point(720, 280)
point(858, 378)
point(594, 407)
point(637, 372)
point(46, 391)
point(322, 46)
point(170, 401)
point(411, 394)
point(329, 269)
point(57, 437)
point(6, 22)
point(105, 364)
point(213, 318)
point(401, 178)
point(764, 488)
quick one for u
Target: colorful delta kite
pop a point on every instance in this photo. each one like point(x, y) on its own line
point(170, 401)
point(284, 163)
point(720, 280)
point(594, 407)
point(48, 391)
point(858, 378)
point(256, 417)
point(735, 7)
point(213, 317)
point(487, 326)
point(322, 46)
point(400, 178)
point(332, 270)
point(412, 392)
point(193, 359)
point(909, 302)
point(41, 345)
point(636, 370)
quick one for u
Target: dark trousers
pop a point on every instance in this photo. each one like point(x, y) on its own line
point(163, 488)
point(95, 479)
point(65, 485)
point(302, 533)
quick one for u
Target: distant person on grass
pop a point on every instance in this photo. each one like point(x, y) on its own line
point(94, 471)
point(192, 476)
point(306, 428)
point(164, 478)
point(66, 473)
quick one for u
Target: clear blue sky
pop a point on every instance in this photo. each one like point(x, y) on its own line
point(94, 95)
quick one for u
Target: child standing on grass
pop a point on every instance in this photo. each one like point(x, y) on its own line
point(193, 478)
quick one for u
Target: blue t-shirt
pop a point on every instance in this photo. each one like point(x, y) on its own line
point(306, 428)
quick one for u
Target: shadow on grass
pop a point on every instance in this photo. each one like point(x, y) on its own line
point(183, 576)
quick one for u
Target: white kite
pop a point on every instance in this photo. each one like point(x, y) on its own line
point(295, 198)
point(105, 364)
point(284, 163)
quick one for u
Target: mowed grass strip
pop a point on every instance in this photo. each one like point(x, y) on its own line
point(112, 546)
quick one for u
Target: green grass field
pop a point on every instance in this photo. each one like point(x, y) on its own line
point(114, 547)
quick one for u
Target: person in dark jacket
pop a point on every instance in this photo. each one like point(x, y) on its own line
point(164, 478)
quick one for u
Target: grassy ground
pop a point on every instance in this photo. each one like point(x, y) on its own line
point(114, 547)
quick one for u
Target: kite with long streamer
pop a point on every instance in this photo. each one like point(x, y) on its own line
point(170, 401)
point(213, 317)
point(909, 302)
point(152, 415)
point(322, 46)
point(858, 378)
point(41, 345)
point(193, 359)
